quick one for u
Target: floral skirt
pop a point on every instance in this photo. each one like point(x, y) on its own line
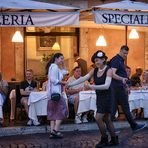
point(57, 110)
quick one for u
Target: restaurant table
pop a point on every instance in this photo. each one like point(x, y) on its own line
point(137, 99)
point(87, 101)
point(37, 105)
point(1, 106)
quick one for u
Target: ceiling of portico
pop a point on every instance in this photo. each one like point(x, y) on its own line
point(84, 4)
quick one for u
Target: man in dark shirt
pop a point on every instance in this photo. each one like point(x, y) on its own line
point(26, 87)
point(120, 94)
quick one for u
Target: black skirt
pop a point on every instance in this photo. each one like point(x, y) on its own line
point(103, 103)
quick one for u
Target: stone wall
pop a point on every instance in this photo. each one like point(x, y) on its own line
point(115, 39)
point(12, 55)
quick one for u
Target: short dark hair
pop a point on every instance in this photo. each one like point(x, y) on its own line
point(139, 69)
point(124, 47)
point(77, 67)
point(29, 70)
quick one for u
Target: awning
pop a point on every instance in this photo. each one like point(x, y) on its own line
point(31, 13)
point(122, 13)
point(15, 5)
point(121, 18)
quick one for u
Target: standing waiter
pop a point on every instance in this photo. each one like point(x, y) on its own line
point(120, 94)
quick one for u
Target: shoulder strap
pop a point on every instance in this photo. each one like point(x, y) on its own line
point(50, 80)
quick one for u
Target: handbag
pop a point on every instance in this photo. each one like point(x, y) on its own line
point(55, 97)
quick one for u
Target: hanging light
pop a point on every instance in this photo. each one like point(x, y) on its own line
point(101, 41)
point(133, 34)
point(56, 46)
point(17, 37)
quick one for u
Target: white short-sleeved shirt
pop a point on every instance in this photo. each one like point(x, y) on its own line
point(71, 79)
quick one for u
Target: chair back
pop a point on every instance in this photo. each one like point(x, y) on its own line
point(18, 94)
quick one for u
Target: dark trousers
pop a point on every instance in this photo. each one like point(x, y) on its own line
point(120, 96)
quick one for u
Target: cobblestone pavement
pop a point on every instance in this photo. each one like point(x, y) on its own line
point(75, 139)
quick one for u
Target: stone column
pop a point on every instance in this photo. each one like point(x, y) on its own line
point(84, 43)
point(19, 58)
point(146, 51)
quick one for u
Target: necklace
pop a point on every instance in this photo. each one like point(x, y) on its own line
point(100, 70)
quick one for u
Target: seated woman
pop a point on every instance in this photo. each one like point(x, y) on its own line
point(145, 80)
point(138, 113)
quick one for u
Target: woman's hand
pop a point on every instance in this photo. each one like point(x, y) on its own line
point(87, 86)
point(63, 82)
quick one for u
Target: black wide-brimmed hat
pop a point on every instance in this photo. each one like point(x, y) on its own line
point(99, 54)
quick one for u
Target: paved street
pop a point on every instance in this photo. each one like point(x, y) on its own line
point(75, 139)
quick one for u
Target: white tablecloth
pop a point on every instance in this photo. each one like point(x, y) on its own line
point(137, 99)
point(1, 107)
point(37, 104)
point(87, 101)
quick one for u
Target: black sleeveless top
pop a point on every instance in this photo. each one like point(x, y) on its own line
point(100, 81)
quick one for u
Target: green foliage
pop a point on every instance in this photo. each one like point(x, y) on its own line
point(46, 57)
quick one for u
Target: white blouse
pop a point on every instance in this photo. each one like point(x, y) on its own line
point(55, 74)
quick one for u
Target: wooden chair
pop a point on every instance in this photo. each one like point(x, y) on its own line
point(71, 111)
point(18, 102)
point(7, 106)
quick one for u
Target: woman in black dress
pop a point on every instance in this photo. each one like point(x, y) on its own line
point(102, 75)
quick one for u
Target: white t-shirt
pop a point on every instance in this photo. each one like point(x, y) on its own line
point(71, 79)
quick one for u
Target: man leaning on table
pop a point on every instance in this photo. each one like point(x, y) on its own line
point(26, 87)
point(120, 95)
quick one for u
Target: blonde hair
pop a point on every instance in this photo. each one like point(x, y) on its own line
point(146, 76)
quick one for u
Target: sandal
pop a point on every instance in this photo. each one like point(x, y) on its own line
point(52, 134)
point(56, 134)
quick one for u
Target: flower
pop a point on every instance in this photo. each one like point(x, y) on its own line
point(99, 54)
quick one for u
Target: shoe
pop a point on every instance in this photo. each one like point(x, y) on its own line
point(78, 120)
point(117, 131)
point(30, 122)
point(1, 124)
point(84, 119)
point(114, 141)
point(139, 127)
point(36, 123)
point(103, 142)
